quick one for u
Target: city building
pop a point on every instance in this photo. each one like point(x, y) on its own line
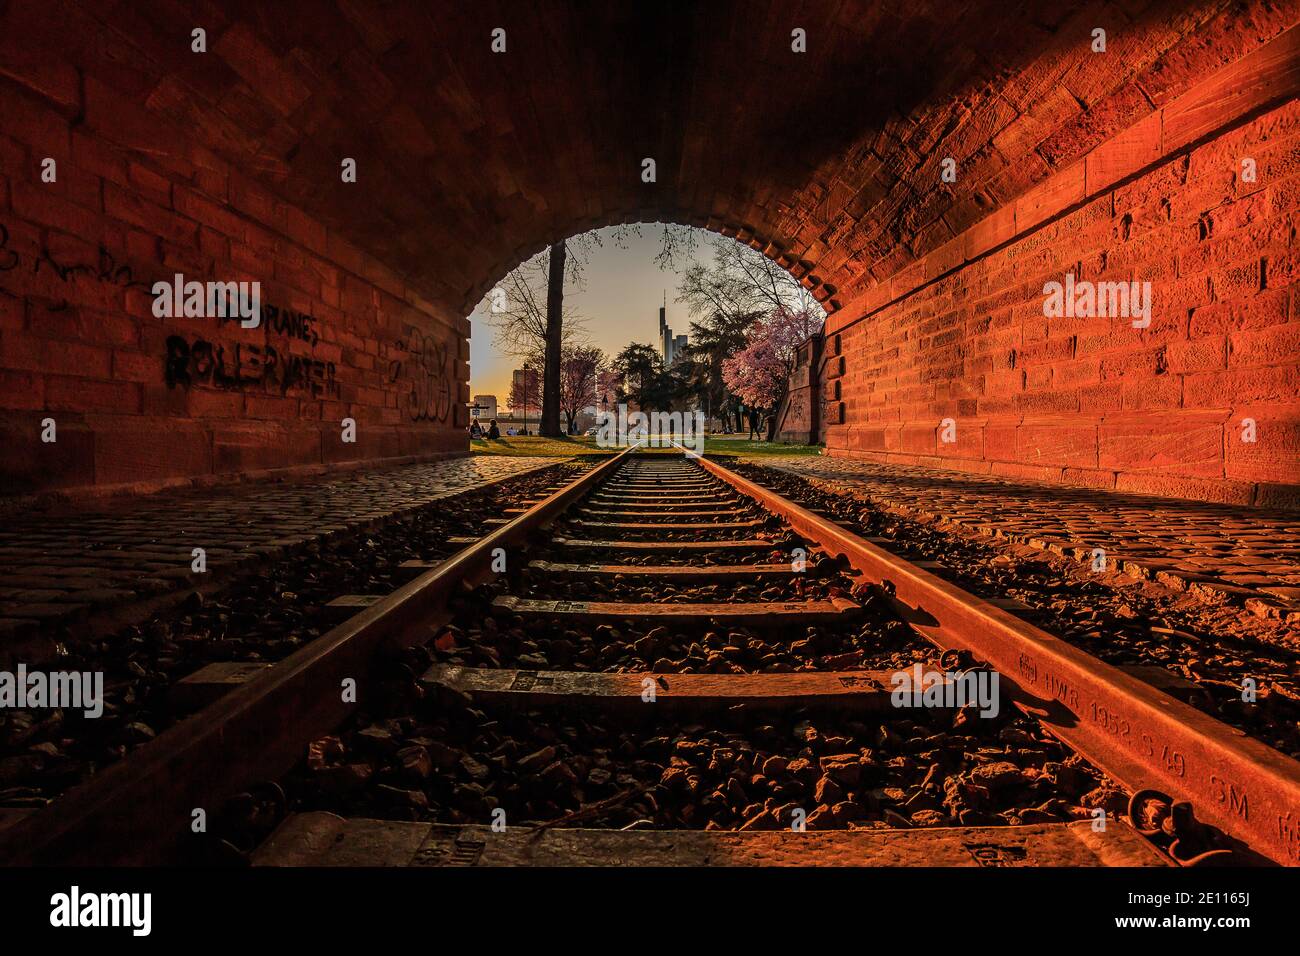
point(671, 347)
point(526, 394)
point(484, 407)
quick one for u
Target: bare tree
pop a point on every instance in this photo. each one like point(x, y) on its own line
point(581, 366)
point(742, 281)
point(580, 371)
point(725, 300)
point(518, 312)
point(677, 245)
point(530, 317)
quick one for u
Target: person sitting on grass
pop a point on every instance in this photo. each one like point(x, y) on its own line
point(493, 431)
point(476, 430)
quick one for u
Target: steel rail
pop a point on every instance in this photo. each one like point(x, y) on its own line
point(140, 809)
point(1137, 734)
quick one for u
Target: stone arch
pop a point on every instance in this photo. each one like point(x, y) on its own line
point(801, 270)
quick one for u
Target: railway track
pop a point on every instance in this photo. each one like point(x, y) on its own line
point(155, 671)
point(724, 693)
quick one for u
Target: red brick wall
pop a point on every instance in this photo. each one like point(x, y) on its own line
point(1094, 401)
point(341, 336)
point(796, 418)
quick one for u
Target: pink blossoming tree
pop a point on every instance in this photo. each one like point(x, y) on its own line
point(760, 372)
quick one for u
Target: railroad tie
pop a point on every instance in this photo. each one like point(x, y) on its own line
point(666, 572)
point(753, 614)
point(848, 690)
point(668, 526)
point(318, 838)
point(600, 544)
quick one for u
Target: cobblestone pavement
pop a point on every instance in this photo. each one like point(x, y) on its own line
point(57, 569)
point(1243, 556)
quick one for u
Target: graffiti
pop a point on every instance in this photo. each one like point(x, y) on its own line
point(241, 366)
point(106, 269)
point(429, 398)
point(290, 324)
point(190, 362)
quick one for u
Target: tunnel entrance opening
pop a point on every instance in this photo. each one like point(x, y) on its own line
point(730, 322)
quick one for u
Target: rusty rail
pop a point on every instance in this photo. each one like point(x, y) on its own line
point(139, 810)
point(1138, 735)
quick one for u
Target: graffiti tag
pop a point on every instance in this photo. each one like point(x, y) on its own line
point(427, 375)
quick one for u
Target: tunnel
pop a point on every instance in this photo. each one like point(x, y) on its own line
point(1005, 577)
point(951, 159)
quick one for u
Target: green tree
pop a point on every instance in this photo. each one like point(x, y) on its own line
point(713, 340)
point(638, 367)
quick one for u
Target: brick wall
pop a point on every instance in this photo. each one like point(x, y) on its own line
point(1094, 401)
point(143, 401)
point(797, 416)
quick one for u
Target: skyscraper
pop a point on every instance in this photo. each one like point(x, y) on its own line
point(670, 347)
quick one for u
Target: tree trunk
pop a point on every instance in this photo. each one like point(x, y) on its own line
point(550, 425)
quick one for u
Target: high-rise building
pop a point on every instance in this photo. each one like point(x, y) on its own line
point(671, 347)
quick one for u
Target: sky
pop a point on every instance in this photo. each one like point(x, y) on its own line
point(619, 301)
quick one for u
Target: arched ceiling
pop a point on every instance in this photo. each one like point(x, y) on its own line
point(470, 161)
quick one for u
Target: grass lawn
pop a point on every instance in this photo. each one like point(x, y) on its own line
point(533, 446)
